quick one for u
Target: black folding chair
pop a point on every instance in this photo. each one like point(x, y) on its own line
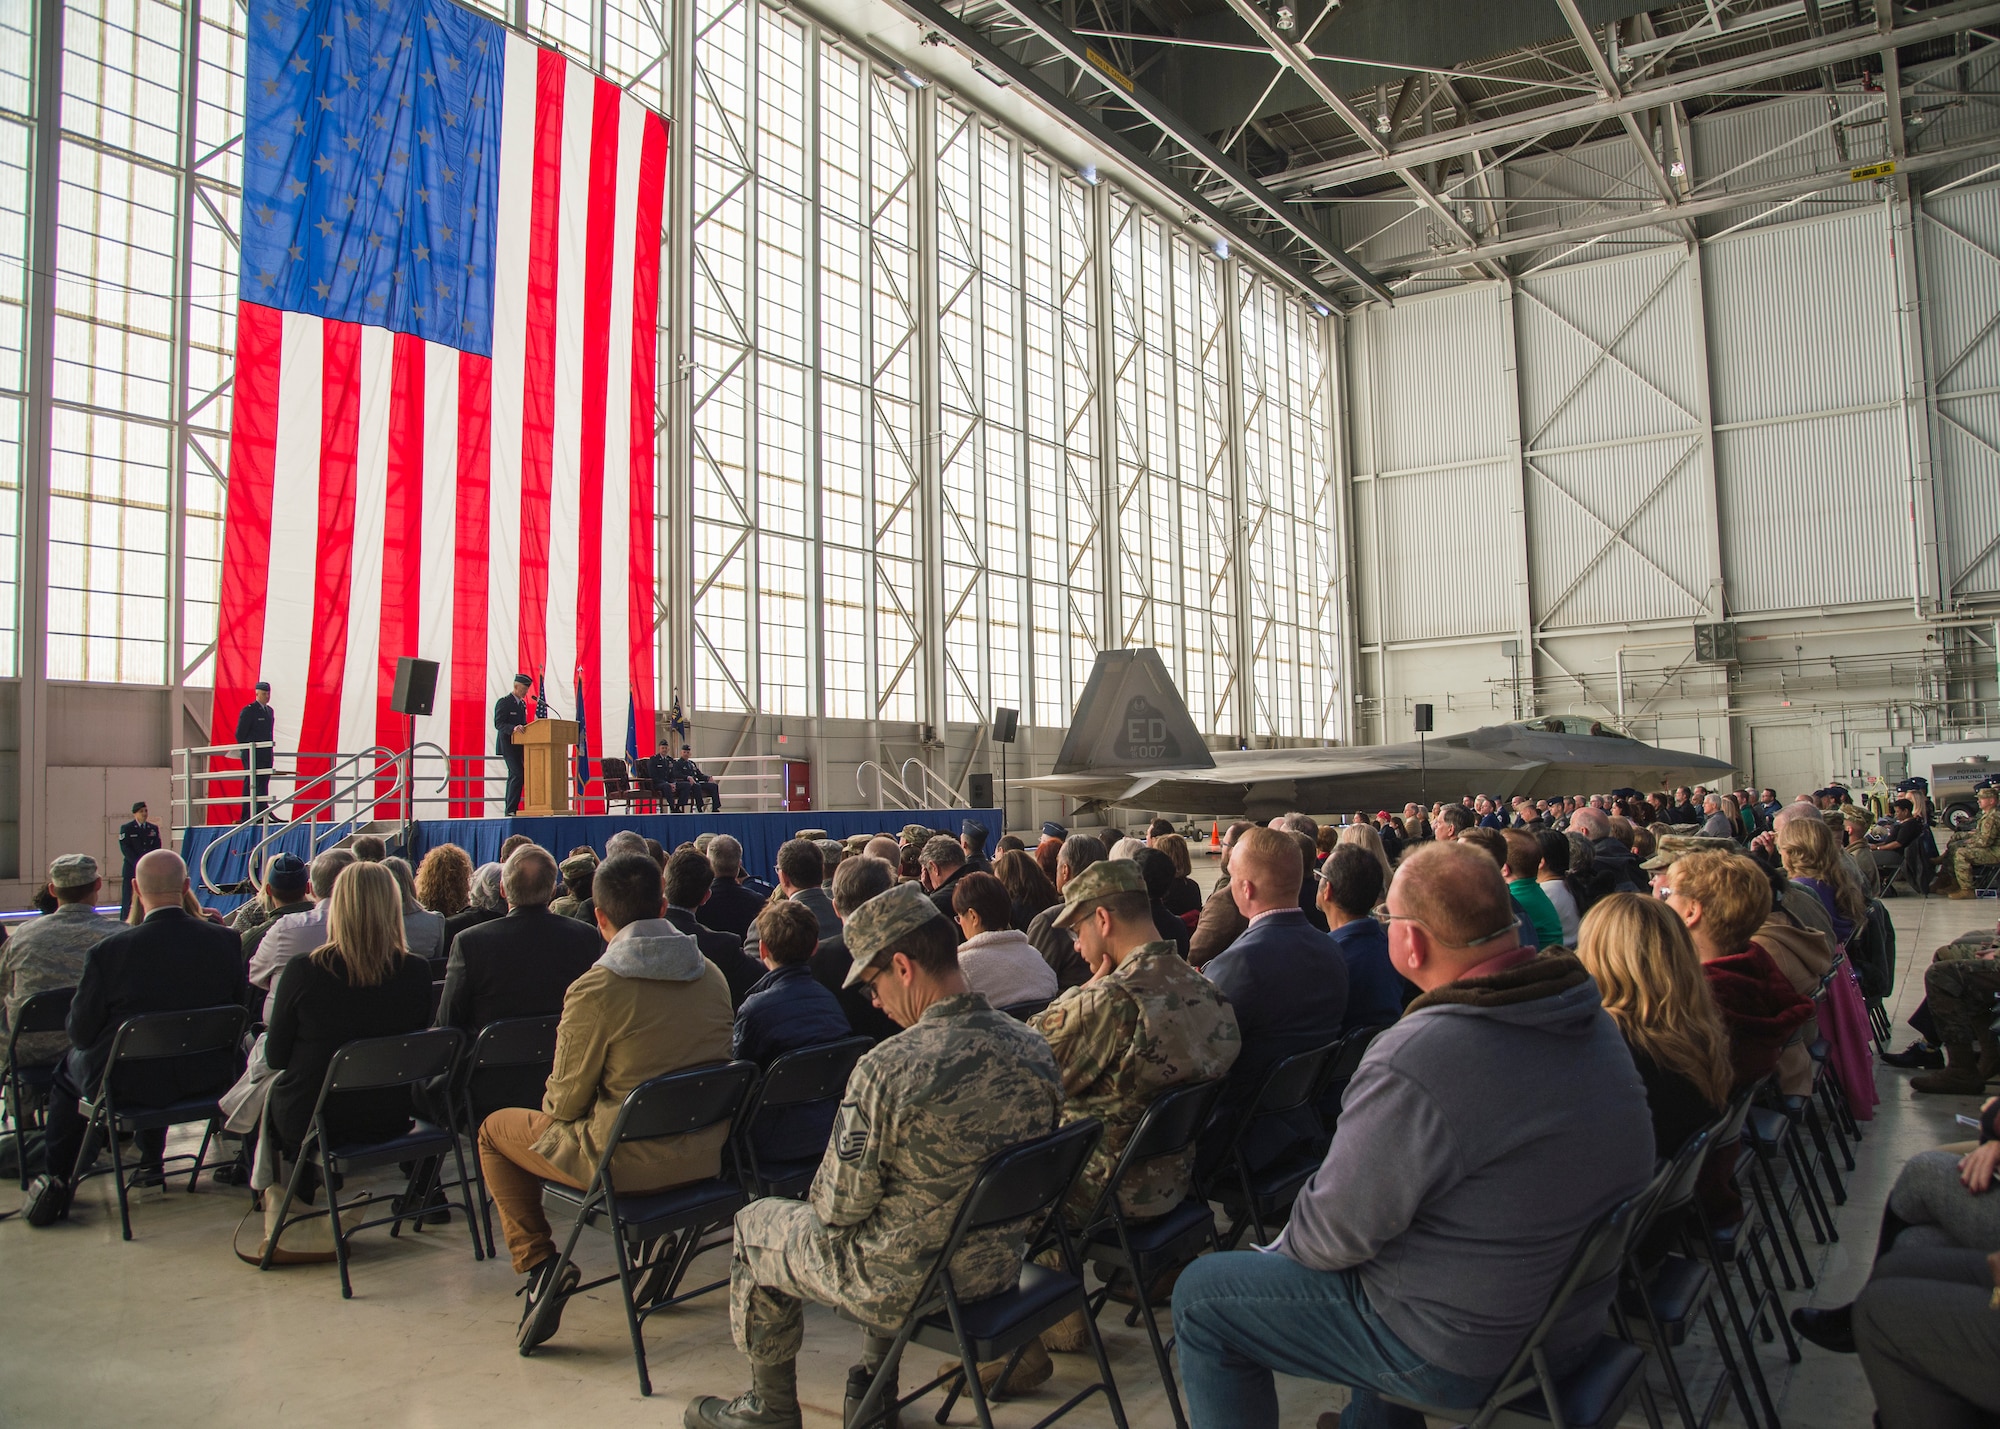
point(205, 1043)
point(1022, 1011)
point(376, 1064)
point(1145, 1249)
point(675, 1104)
point(804, 1077)
point(45, 1011)
point(1023, 1184)
point(1339, 1071)
point(1595, 1391)
point(1253, 1196)
point(509, 1065)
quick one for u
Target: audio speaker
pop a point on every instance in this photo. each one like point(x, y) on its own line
point(979, 790)
point(1006, 723)
point(416, 686)
point(1423, 719)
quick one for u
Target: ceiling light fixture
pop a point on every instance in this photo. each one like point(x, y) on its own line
point(1381, 121)
point(911, 78)
point(1222, 247)
point(1677, 170)
point(1288, 19)
point(1088, 173)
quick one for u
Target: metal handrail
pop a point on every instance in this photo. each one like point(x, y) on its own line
point(928, 782)
point(386, 761)
point(905, 798)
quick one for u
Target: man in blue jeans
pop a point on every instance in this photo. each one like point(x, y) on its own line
point(1480, 1138)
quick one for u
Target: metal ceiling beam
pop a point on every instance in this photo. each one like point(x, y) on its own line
point(1694, 208)
point(1073, 47)
point(1690, 84)
point(1052, 101)
point(1600, 69)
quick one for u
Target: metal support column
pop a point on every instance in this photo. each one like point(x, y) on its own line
point(1523, 621)
point(673, 608)
point(1711, 491)
point(1104, 361)
point(177, 458)
point(1229, 283)
point(930, 427)
point(1914, 401)
point(1340, 541)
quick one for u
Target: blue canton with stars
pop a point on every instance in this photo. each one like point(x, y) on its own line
point(372, 160)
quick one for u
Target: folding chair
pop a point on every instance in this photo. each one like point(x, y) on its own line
point(509, 1065)
point(1339, 1071)
point(799, 1078)
point(620, 788)
point(375, 1064)
point(1024, 1183)
point(46, 1011)
point(1595, 1392)
point(151, 1045)
point(1145, 1249)
point(1252, 1196)
point(1022, 1011)
point(675, 1104)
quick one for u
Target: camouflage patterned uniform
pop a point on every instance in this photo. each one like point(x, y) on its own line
point(1980, 846)
point(920, 1114)
point(1150, 1024)
point(1960, 985)
point(47, 953)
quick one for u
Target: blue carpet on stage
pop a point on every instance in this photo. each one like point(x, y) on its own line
point(760, 835)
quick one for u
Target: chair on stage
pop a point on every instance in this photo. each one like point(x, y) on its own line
point(620, 787)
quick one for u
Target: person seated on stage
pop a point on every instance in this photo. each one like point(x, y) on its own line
point(942, 864)
point(651, 1004)
point(997, 959)
point(49, 952)
point(423, 930)
point(1350, 885)
point(170, 962)
point(689, 882)
point(1057, 947)
point(656, 770)
point(520, 965)
point(787, 1010)
point(923, 1111)
point(444, 882)
point(297, 934)
point(370, 848)
point(1463, 1175)
point(697, 788)
point(732, 904)
point(486, 900)
point(856, 881)
point(577, 872)
point(287, 890)
point(1220, 922)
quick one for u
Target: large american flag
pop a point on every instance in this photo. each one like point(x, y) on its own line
point(443, 434)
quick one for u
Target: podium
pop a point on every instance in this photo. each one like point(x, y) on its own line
point(545, 747)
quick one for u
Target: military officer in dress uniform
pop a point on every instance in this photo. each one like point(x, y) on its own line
point(137, 837)
point(510, 712)
point(258, 724)
point(693, 786)
point(920, 1114)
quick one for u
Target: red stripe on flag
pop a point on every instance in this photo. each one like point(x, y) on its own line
point(598, 255)
point(246, 540)
point(645, 354)
point(469, 576)
point(538, 377)
point(339, 436)
point(402, 535)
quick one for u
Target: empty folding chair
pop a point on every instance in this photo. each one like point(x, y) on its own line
point(1023, 1184)
point(675, 1104)
point(1254, 1196)
point(375, 1064)
point(509, 1065)
point(794, 1083)
point(46, 1011)
point(165, 1069)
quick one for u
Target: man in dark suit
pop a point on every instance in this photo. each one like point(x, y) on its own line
point(1286, 980)
point(510, 712)
point(258, 724)
point(170, 963)
point(731, 906)
point(522, 964)
point(691, 883)
point(941, 865)
point(855, 882)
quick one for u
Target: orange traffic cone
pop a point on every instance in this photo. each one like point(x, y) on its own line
point(1214, 837)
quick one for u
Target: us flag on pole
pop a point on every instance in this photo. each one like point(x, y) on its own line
point(443, 426)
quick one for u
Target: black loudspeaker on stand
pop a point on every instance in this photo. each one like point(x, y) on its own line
point(979, 790)
point(1006, 726)
point(1423, 713)
point(414, 694)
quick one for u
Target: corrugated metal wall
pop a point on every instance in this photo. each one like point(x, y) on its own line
point(1959, 264)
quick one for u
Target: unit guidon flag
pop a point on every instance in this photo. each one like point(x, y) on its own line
point(443, 426)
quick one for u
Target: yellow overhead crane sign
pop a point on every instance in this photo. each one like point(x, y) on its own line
point(1872, 171)
point(1111, 71)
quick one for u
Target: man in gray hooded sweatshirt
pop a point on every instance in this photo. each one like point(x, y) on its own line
point(1480, 1138)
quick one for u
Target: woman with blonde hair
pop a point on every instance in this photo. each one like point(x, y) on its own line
point(1651, 981)
point(1813, 861)
point(1364, 837)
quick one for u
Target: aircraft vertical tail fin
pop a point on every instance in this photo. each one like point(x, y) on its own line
point(1131, 717)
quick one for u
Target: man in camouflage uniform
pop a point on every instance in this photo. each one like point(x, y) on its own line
point(1960, 986)
point(49, 952)
point(1980, 846)
point(577, 870)
point(920, 1114)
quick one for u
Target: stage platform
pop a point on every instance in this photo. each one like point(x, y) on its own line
point(760, 835)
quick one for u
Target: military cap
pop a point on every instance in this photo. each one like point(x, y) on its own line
point(1853, 814)
point(577, 865)
point(972, 829)
point(855, 843)
point(286, 870)
point(523, 680)
point(264, 685)
point(915, 833)
point(1986, 787)
point(73, 870)
point(1673, 846)
point(876, 928)
point(1107, 878)
point(1053, 830)
point(815, 835)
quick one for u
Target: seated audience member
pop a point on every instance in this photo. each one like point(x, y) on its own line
point(1462, 1176)
point(423, 930)
point(1494, 844)
point(690, 883)
point(801, 878)
point(296, 934)
point(998, 961)
point(1450, 821)
point(444, 882)
point(941, 865)
point(1350, 885)
point(1308, 861)
point(49, 952)
point(1366, 838)
point(1907, 845)
point(509, 844)
point(1048, 846)
point(1184, 897)
point(1009, 843)
point(370, 848)
point(361, 982)
point(1718, 821)
point(972, 836)
point(651, 1004)
point(732, 906)
point(1960, 987)
point(1221, 922)
point(884, 847)
point(1813, 862)
point(1158, 872)
point(856, 881)
point(485, 901)
point(1388, 828)
point(576, 871)
point(1027, 886)
point(1613, 869)
point(1523, 872)
point(1651, 983)
point(1286, 980)
point(1852, 843)
point(287, 890)
point(1079, 851)
point(785, 1011)
point(922, 1112)
point(1157, 830)
point(520, 965)
point(1554, 881)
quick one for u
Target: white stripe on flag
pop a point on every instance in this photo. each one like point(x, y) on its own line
point(362, 675)
point(615, 660)
point(573, 226)
point(440, 540)
point(510, 322)
point(288, 603)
